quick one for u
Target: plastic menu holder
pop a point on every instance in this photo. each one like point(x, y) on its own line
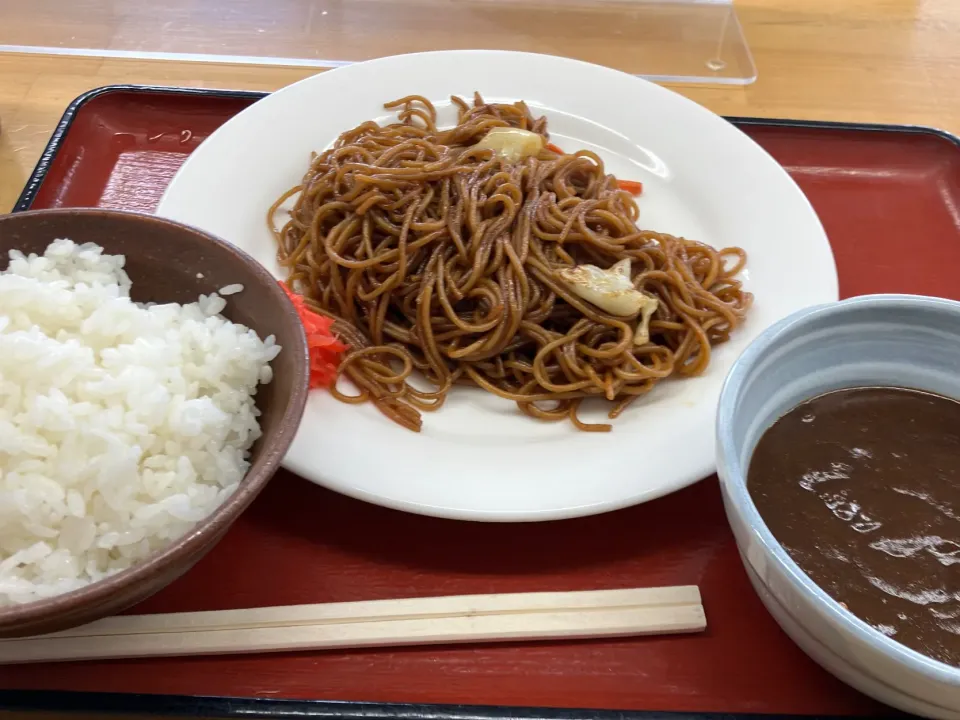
point(665, 40)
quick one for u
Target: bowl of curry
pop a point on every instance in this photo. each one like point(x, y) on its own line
point(838, 441)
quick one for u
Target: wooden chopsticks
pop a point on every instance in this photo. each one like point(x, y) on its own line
point(415, 621)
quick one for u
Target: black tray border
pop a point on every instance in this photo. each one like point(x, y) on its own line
point(32, 186)
point(66, 703)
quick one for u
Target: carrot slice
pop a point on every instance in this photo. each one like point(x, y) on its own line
point(325, 348)
point(631, 186)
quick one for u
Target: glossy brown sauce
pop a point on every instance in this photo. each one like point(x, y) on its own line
point(862, 488)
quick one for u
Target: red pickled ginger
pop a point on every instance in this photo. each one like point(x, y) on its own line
point(325, 348)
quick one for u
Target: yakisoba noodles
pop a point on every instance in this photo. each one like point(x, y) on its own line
point(486, 257)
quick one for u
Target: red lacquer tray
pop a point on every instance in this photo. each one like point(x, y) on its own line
point(890, 200)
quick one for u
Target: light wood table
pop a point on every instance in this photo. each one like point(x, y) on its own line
point(895, 61)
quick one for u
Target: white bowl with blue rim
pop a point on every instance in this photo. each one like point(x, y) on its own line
point(877, 340)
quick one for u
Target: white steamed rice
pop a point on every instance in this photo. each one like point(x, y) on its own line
point(121, 425)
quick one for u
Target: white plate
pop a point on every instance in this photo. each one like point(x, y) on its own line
point(478, 458)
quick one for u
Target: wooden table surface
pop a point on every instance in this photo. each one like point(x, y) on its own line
point(895, 61)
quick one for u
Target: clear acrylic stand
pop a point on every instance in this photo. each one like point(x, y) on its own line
point(665, 40)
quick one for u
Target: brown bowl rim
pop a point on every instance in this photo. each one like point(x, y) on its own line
point(194, 541)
